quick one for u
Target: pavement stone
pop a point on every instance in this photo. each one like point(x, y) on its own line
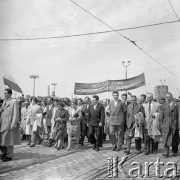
point(44, 163)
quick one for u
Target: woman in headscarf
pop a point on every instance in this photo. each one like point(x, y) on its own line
point(73, 124)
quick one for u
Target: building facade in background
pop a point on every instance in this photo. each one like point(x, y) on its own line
point(160, 91)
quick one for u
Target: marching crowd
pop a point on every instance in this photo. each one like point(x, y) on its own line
point(59, 120)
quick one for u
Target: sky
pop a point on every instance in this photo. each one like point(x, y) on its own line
point(88, 59)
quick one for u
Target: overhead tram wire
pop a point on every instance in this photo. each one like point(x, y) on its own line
point(174, 10)
point(131, 41)
point(87, 34)
point(108, 42)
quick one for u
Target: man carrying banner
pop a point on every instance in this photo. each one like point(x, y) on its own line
point(117, 121)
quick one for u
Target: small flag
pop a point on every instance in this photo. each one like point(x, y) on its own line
point(11, 83)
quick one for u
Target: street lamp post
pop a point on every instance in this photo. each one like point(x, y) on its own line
point(126, 65)
point(34, 78)
point(54, 84)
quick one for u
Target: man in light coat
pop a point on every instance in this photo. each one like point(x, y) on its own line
point(9, 126)
point(150, 108)
point(36, 109)
point(132, 110)
point(117, 121)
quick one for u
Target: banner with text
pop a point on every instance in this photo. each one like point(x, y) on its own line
point(109, 86)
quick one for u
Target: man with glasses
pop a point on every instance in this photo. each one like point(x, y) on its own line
point(9, 126)
point(169, 125)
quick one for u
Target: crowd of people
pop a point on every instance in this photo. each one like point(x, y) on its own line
point(59, 120)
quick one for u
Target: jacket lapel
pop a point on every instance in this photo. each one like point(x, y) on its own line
point(172, 106)
point(7, 104)
point(153, 108)
point(116, 107)
point(135, 108)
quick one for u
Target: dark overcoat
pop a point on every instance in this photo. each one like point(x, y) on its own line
point(169, 123)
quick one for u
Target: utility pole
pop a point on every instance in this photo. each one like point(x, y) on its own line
point(54, 84)
point(34, 78)
point(126, 65)
point(48, 90)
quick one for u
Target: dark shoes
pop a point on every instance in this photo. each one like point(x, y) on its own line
point(94, 147)
point(127, 152)
point(174, 154)
point(6, 159)
point(32, 145)
point(146, 152)
point(97, 149)
point(166, 155)
point(155, 152)
point(50, 145)
point(3, 156)
point(81, 143)
point(40, 141)
point(114, 148)
point(118, 148)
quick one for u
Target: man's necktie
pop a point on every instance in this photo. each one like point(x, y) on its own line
point(149, 108)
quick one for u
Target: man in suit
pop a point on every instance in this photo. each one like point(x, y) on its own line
point(132, 110)
point(9, 123)
point(84, 128)
point(170, 125)
point(150, 108)
point(117, 121)
point(96, 116)
point(126, 103)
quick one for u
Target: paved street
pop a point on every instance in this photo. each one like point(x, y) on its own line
point(44, 163)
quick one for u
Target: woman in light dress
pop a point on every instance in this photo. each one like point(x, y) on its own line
point(23, 119)
point(28, 130)
point(73, 124)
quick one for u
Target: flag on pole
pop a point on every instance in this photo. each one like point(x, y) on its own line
point(11, 83)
